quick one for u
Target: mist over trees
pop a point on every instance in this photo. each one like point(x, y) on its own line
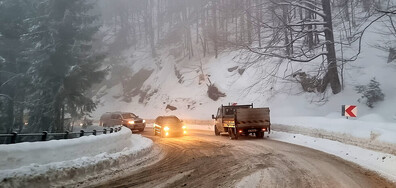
point(47, 62)
point(52, 51)
point(265, 30)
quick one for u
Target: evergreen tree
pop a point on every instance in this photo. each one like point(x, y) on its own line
point(64, 64)
point(371, 92)
point(12, 63)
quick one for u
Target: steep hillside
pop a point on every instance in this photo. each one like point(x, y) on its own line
point(176, 82)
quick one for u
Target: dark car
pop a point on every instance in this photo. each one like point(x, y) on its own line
point(127, 119)
point(167, 126)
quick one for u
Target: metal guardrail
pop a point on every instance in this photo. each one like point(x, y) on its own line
point(46, 136)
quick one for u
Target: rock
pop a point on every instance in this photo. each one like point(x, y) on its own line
point(170, 107)
point(232, 69)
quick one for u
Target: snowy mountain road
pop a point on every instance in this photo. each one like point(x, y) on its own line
point(202, 159)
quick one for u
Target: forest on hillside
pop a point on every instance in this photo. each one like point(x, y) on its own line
point(53, 52)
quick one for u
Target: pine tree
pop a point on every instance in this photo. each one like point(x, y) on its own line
point(371, 92)
point(64, 64)
point(12, 63)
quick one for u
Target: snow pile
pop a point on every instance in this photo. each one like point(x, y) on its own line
point(17, 155)
point(69, 161)
point(382, 163)
point(372, 128)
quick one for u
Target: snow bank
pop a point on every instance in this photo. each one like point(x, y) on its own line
point(17, 155)
point(67, 162)
point(377, 137)
point(382, 163)
point(366, 127)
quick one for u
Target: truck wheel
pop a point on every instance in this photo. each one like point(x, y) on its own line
point(217, 133)
point(259, 134)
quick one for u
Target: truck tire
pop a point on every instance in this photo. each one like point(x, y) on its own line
point(217, 133)
point(232, 134)
point(259, 134)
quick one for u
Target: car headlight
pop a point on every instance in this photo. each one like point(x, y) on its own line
point(184, 127)
point(144, 121)
point(166, 128)
point(131, 122)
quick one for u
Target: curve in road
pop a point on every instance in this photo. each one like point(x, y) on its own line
point(204, 160)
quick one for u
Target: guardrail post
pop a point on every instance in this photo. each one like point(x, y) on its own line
point(104, 131)
point(81, 133)
point(94, 132)
point(111, 130)
point(44, 137)
point(66, 135)
point(14, 137)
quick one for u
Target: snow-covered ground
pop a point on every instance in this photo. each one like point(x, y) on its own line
point(53, 163)
point(366, 127)
point(382, 163)
point(15, 155)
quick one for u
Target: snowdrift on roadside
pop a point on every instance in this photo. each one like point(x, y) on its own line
point(363, 128)
point(382, 163)
point(22, 154)
point(66, 162)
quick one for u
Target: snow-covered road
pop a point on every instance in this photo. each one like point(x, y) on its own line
point(204, 160)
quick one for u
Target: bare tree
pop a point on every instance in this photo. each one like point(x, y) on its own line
point(296, 31)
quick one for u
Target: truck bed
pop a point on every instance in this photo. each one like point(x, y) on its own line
point(253, 117)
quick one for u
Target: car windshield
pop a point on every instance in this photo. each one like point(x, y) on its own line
point(128, 116)
point(171, 121)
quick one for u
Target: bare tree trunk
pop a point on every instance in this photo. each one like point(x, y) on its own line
point(286, 35)
point(259, 20)
point(249, 22)
point(309, 18)
point(332, 71)
point(149, 27)
point(214, 17)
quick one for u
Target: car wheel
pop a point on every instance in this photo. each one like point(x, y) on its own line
point(217, 133)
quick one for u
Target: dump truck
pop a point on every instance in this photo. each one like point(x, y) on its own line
point(242, 120)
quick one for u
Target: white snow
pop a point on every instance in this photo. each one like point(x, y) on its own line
point(15, 155)
point(382, 163)
point(61, 160)
point(365, 127)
